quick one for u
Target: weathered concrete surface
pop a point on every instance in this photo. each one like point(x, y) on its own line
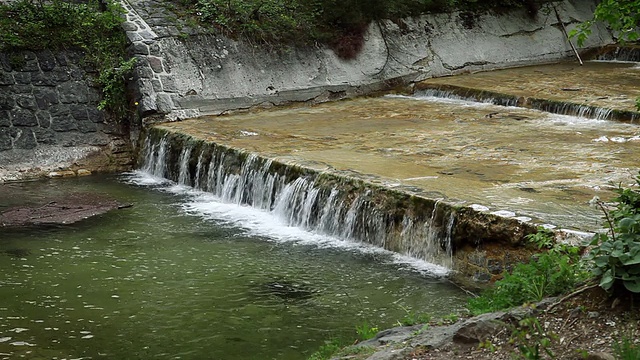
point(183, 71)
point(516, 162)
point(612, 86)
point(68, 210)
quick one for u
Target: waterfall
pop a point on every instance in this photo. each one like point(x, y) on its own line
point(184, 175)
point(583, 111)
point(318, 202)
point(556, 107)
point(469, 95)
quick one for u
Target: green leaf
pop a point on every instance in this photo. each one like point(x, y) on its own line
point(607, 280)
point(632, 285)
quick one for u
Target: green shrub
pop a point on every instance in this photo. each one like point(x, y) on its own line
point(548, 274)
point(413, 318)
point(616, 254)
point(366, 331)
point(91, 27)
point(327, 350)
point(531, 340)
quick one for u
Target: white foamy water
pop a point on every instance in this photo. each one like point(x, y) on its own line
point(451, 99)
point(267, 224)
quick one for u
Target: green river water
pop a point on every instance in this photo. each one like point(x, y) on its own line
point(166, 280)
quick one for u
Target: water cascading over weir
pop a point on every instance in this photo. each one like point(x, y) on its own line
point(334, 204)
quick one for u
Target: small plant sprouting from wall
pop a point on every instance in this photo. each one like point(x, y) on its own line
point(93, 27)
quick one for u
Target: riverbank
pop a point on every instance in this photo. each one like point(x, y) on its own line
point(589, 324)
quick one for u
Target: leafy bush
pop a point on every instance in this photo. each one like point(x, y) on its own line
point(616, 254)
point(531, 340)
point(366, 331)
point(547, 274)
point(92, 27)
point(411, 318)
point(327, 350)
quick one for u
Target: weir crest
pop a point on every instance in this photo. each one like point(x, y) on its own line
point(325, 203)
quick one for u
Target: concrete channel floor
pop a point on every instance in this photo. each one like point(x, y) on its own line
point(538, 165)
point(611, 85)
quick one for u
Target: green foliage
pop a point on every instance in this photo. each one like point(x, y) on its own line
point(626, 349)
point(413, 318)
point(366, 331)
point(113, 82)
point(616, 255)
point(58, 24)
point(622, 16)
point(531, 340)
point(543, 238)
point(548, 274)
point(327, 350)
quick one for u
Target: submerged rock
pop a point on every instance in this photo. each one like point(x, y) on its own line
point(288, 290)
point(69, 210)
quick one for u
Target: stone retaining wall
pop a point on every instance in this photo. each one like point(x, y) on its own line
point(48, 113)
point(184, 70)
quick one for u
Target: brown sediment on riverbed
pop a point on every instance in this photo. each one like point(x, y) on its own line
point(63, 211)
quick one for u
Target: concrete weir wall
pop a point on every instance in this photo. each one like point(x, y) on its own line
point(184, 72)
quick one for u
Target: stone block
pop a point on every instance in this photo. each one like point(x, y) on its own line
point(157, 85)
point(138, 48)
point(42, 79)
point(45, 136)
point(5, 139)
point(61, 119)
point(61, 174)
point(97, 139)
point(23, 78)
point(63, 123)
point(25, 61)
point(133, 36)
point(6, 78)
point(76, 74)
point(5, 64)
point(44, 119)
point(83, 172)
point(154, 49)
point(5, 119)
point(23, 117)
point(7, 101)
point(26, 101)
point(95, 115)
point(60, 75)
point(45, 97)
point(25, 140)
point(73, 92)
point(129, 26)
point(93, 95)
point(169, 84)
point(79, 112)
point(156, 64)
point(61, 57)
point(46, 60)
point(20, 89)
point(164, 103)
point(87, 126)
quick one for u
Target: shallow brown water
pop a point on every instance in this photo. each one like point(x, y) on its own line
point(534, 164)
